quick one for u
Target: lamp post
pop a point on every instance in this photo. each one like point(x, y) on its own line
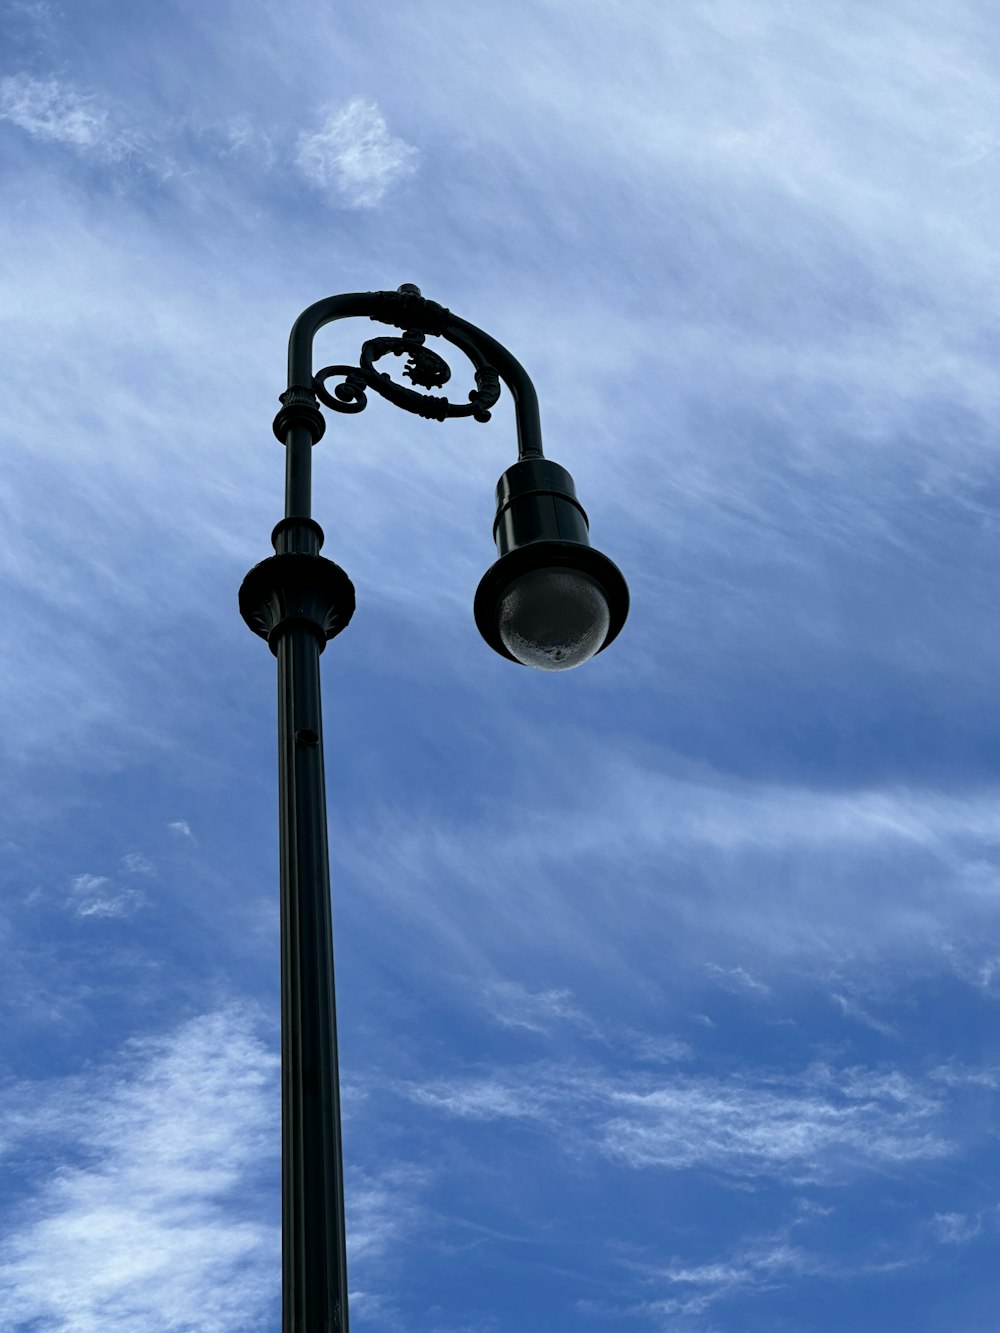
point(549, 601)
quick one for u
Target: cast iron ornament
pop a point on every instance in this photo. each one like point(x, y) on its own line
point(424, 368)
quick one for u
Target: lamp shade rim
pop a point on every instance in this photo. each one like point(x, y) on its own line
point(546, 555)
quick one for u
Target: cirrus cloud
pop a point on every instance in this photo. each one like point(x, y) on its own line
point(57, 112)
point(354, 157)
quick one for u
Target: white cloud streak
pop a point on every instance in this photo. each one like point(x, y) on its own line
point(738, 979)
point(766, 1262)
point(822, 1126)
point(776, 874)
point(515, 1006)
point(145, 1216)
point(819, 1127)
point(382, 1209)
point(956, 1228)
point(97, 896)
point(850, 1008)
point(756, 1264)
point(134, 863)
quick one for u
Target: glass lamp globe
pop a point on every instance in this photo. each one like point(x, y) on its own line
point(553, 618)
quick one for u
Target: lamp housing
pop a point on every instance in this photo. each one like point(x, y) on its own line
point(551, 600)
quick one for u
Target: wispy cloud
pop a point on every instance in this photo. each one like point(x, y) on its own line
point(822, 1125)
point(738, 979)
point(146, 1213)
point(768, 1261)
point(386, 1216)
point(57, 112)
point(134, 863)
point(515, 1006)
point(781, 869)
point(354, 157)
point(851, 1008)
point(382, 1207)
point(32, 22)
point(956, 1075)
point(554, 1013)
point(97, 896)
point(659, 1050)
point(486, 1099)
point(756, 1264)
point(956, 1228)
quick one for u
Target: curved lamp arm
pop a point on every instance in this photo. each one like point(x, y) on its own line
point(300, 424)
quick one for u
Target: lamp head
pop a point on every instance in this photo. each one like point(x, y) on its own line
point(551, 601)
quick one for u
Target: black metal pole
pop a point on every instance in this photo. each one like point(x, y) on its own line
point(297, 600)
point(314, 1254)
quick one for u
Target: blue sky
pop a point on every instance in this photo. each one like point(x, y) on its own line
point(668, 987)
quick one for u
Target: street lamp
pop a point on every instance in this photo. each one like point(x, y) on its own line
point(549, 601)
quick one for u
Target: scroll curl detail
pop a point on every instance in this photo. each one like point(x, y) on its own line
point(350, 396)
point(424, 368)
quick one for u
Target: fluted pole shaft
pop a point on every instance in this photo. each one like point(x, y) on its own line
point(314, 1257)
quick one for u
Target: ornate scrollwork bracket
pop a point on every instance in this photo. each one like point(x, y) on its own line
point(424, 367)
point(413, 320)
